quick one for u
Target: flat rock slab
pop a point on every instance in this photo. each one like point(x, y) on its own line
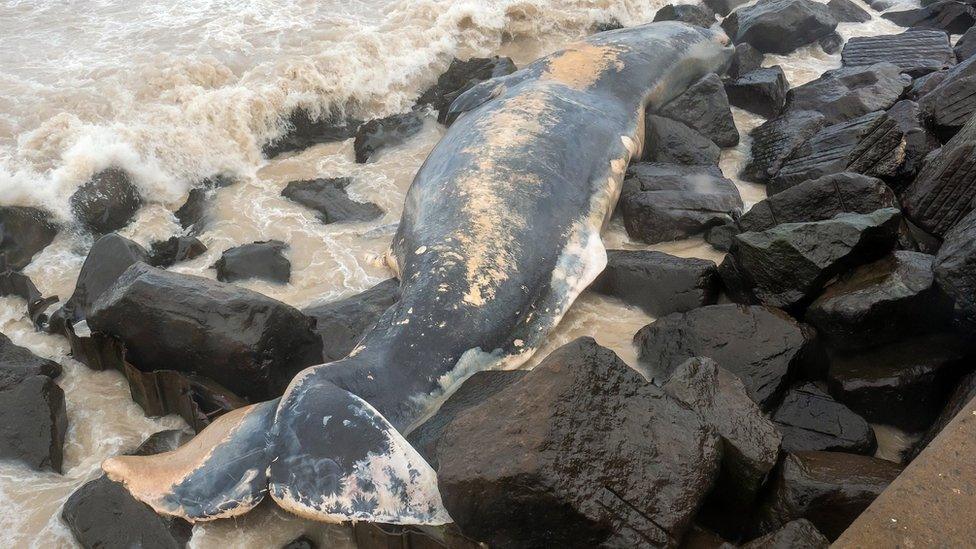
point(762, 91)
point(774, 140)
point(342, 323)
point(950, 104)
point(916, 52)
point(810, 419)
point(849, 92)
point(896, 148)
point(329, 198)
point(947, 15)
point(658, 283)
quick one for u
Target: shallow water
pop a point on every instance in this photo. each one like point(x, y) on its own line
point(176, 91)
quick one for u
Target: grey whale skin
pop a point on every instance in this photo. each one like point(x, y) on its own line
point(499, 235)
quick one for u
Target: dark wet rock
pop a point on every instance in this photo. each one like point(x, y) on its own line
point(329, 198)
point(18, 364)
point(720, 236)
point(796, 534)
point(247, 342)
point(582, 451)
point(699, 537)
point(106, 202)
point(102, 513)
point(163, 253)
point(15, 283)
point(475, 390)
point(962, 395)
point(193, 214)
point(371, 535)
point(745, 60)
point(881, 303)
point(460, 77)
point(810, 419)
point(845, 11)
point(658, 283)
point(774, 141)
point(827, 152)
point(966, 45)
point(817, 200)
point(662, 202)
point(760, 345)
point(301, 542)
point(342, 323)
point(705, 107)
point(24, 232)
point(786, 266)
point(750, 441)
point(762, 91)
point(947, 15)
point(849, 92)
point(955, 270)
point(33, 422)
point(107, 259)
point(903, 384)
point(723, 7)
point(945, 188)
point(604, 26)
point(924, 84)
point(916, 52)
point(265, 260)
point(896, 148)
point(952, 103)
point(831, 43)
point(305, 128)
point(695, 14)
point(829, 489)
point(672, 142)
point(385, 132)
point(780, 26)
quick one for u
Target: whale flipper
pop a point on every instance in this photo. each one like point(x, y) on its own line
point(338, 459)
point(222, 472)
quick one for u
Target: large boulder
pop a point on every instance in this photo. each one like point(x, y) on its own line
point(342, 323)
point(774, 140)
point(106, 202)
point(946, 15)
point(966, 45)
point(760, 345)
point(762, 91)
point(18, 363)
point(459, 78)
point(945, 188)
point(582, 451)
point(385, 132)
point(796, 534)
point(33, 422)
point(164, 253)
point(955, 270)
point(788, 265)
point(950, 104)
point(699, 15)
point(829, 489)
point(745, 59)
point(810, 419)
point(329, 198)
point(23, 232)
point(305, 127)
point(265, 260)
point(705, 108)
point(896, 148)
point(247, 342)
point(849, 92)
point(880, 303)
point(845, 11)
point(668, 141)
point(658, 283)
point(916, 52)
point(780, 26)
point(750, 441)
point(102, 513)
point(662, 202)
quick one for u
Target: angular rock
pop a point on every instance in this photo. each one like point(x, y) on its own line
point(780, 26)
point(582, 451)
point(194, 213)
point(672, 142)
point(723, 7)
point(903, 384)
point(946, 15)
point(796, 534)
point(829, 489)
point(810, 419)
point(831, 43)
point(720, 236)
point(774, 140)
point(750, 441)
point(762, 91)
point(658, 283)
point(698, 15)
point(33, 423)
point(845, 11)
point(459, 78)
point(18, 364)
point(760, 345)
point(305, 128)
point(385, 132)
point(342, 323)
point(945, 188)
point(880, 303)
point(827, 152)
point(699, 537)
point(662, 202)
point(916, 52)
point(106, 202)
point(952, 103)
point(15, 283)
point(786, 266)
point(704, 107)
point(23, 233)
point(102, 513)
point(247, 342)
point(265, 260)
point(329, 198)
point(164, 253)
point(962, 395)
point(896, 148)
point(924, 84)
point(745, 60)
point(955, 270)
point(966, 45)
point(849, 92)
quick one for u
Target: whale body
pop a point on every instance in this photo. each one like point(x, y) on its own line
point(500, 233)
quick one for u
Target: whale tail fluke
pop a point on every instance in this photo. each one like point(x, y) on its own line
point(222, 472)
